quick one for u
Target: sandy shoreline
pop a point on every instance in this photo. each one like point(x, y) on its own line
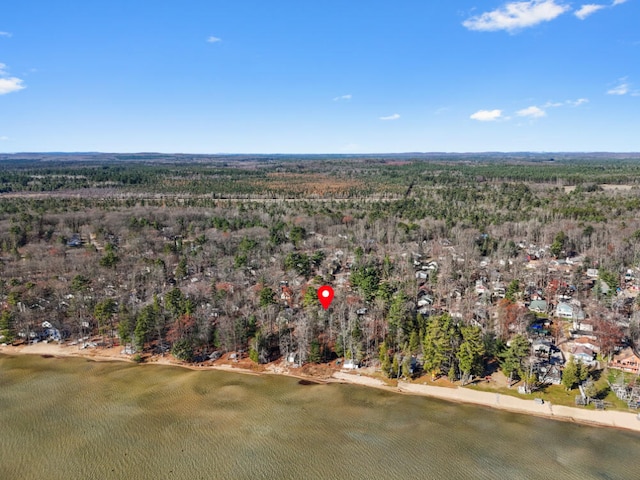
point(606, 418)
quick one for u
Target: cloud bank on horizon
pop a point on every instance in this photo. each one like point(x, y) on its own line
point(531, 112)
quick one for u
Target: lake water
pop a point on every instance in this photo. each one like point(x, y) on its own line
point(76, 419)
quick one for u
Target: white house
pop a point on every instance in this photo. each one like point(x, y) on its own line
point(424, 301)
point(577, 260)
point(541, 346)
point(499, 289)
point(592, 272)
point(481, 287)
point(583, 354)
point(564, 310)
point(293, 359)
point(582, 325)
point(569, 311)
point(350, 364)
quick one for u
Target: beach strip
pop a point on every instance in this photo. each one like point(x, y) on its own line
point(604, 418)
point(607, 418)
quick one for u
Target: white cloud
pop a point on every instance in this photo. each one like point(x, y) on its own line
point(516, 15)
point(621, 89)
point(10, 84)
point(213, 39)
point(5, 34)
point(3, 138)
point(342, 97)
point(585, 10)
point(486, 115)
point(578, 102)
point(532, 112)
point(573, 103)
point(441, 110)
point(395, 116)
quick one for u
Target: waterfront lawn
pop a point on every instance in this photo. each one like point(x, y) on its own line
point(558, 395)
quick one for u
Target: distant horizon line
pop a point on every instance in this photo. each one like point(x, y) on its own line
point(483, 152)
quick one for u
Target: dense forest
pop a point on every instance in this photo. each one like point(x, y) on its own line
point(203, 256)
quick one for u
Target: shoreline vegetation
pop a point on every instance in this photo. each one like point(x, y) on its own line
point(514, 271)
point(607, 418)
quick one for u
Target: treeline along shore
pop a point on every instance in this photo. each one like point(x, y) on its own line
point(519, 275)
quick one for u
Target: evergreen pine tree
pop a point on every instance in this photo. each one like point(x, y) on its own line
point(570, 374)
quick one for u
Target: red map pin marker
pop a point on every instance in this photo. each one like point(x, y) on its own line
point(325, 295)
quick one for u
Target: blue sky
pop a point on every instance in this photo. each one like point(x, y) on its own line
point(330, 76)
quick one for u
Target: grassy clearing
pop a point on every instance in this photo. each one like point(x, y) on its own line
point(558, 395)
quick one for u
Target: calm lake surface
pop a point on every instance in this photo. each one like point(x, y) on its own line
point(77, 419)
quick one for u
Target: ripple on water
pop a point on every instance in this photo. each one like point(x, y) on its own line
point(69, 418)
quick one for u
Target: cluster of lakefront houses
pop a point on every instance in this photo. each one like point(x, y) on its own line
point(563, 291)
point(572, 290)
point(554, 291)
